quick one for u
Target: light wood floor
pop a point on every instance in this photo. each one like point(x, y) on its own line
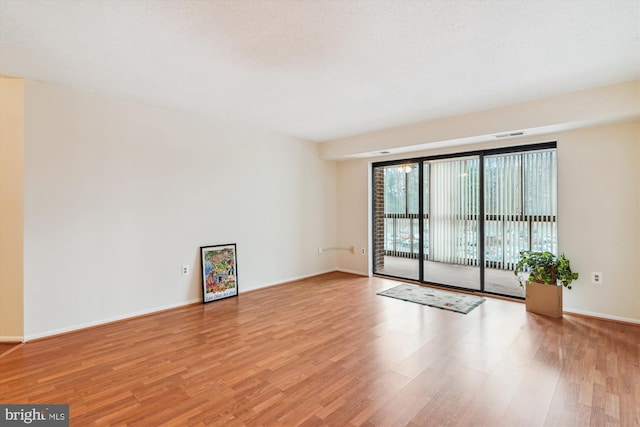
point(5, 347)
point(329, 351)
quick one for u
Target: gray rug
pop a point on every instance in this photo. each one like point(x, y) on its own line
point(453, 301)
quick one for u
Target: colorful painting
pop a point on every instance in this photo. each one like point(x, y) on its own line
point(219, 272)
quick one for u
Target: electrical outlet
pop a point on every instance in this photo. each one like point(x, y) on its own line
point(363, 251)
point(596, 278)
point(185, 270)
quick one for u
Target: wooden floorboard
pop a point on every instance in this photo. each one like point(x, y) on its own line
point(329, 351)
point(5, 347)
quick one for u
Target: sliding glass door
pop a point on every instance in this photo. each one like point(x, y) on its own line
point(462, 220)
point(451, 201)
point(520, 213)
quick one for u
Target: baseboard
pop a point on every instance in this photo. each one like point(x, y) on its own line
point(127, 316)
point(601, 316)
point(10, 339)
point(359, 273)
point(293, 279)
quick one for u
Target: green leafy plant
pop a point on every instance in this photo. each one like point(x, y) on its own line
point(545, 267)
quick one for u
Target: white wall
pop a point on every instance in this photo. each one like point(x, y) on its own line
point(119, 195)
point(599, 217)
point(354, 215)
point(598, 213)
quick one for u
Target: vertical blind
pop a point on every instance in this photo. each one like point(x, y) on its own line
point(541, 199)
point(453, 211)
point(506, 234)
point(520, 206)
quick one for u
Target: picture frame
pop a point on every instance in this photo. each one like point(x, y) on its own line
point(219, 272)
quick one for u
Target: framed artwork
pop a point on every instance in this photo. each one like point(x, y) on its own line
point(219, 272)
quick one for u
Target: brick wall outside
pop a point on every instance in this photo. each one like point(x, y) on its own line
point(378, 218)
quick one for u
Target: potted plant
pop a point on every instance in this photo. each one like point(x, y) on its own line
point(547, 274)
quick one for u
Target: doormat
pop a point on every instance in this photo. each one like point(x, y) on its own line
point(453, 301)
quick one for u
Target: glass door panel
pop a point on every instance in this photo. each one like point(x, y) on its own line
point(451, 206)
point(396, 221)
point(520, 214)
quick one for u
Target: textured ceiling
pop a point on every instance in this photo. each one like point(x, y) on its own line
point(322, 69)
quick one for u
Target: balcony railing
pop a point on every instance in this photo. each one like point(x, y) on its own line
point(506, 236)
